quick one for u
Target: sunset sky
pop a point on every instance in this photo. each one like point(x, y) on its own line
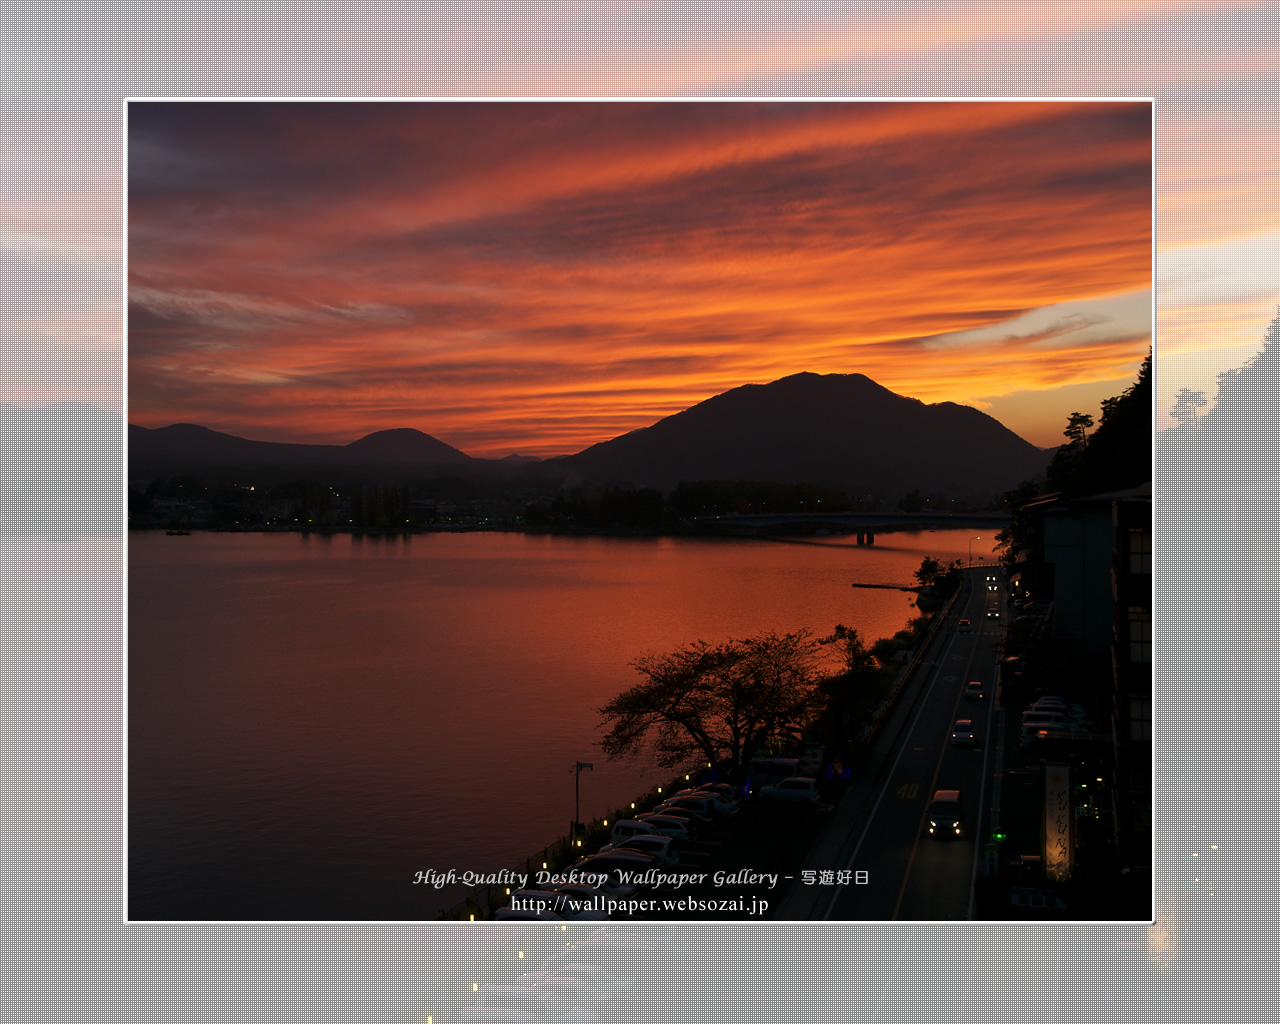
point(537, 277)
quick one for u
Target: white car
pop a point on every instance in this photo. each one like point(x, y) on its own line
point(629, 827)
point(616, 869)
point(794, 790)
point(716, 800)
point(662, 847)
point(1057, 704)
point(582, 985)
point(667, 825)
point(527, 999)
point(698, 806)
point(1058, 717)
point(962, 733)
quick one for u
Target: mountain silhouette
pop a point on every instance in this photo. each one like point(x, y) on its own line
point(843, 430)
point(186, 448)
point(60, 470)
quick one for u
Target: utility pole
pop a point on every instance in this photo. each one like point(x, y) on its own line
point(578, 828)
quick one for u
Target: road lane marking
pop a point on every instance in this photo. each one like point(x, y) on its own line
point(909, 790)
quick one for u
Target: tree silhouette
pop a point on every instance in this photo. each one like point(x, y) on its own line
point(716, 704)
point(1078, 424)
point(1246, 400)
point(1188, 402)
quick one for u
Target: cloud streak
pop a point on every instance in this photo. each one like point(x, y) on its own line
point(539, 277)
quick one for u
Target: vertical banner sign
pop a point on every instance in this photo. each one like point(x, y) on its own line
point(1057, 822)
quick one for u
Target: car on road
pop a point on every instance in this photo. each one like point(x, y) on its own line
point(962, 733)
point(945, 815)
point(797, 790)
point(964, 626)
point(993, 613)
point(974, 690)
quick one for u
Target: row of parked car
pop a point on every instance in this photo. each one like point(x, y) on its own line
point(576, 984)
point(652, 840)
point(1051, 714)
point(649, 840)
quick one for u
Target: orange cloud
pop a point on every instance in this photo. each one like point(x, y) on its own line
point(539, 277)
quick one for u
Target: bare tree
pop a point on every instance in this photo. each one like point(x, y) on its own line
point(716, 704)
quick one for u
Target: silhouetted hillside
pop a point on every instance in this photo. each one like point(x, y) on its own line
point(188, 449)
point(843, 430)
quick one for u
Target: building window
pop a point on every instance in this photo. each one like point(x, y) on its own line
point(1140, 719)
point(1139, 635)
point(1140, 552)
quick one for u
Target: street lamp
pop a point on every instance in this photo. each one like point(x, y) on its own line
point(971, 540)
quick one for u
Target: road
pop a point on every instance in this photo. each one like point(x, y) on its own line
point(909, 875)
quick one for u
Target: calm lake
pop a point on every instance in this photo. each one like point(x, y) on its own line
point(313, 720)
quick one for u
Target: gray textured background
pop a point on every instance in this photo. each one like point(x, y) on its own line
point(65, 70)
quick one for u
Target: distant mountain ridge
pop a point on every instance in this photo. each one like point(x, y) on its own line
point(60, 470)
point(189, 448)
point(839, 429)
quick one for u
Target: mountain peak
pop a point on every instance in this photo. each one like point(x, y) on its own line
point(840, 429)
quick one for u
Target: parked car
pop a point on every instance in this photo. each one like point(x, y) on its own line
point(670, 825)
point(629, 827)
point(1057, 704)
point(662, 847)
point(723, 789)
point(582, 983)
point(962, 733)
point(618, 868)
point(700, 807)
point(765, 771)
point(1051, 716)
point(946, 816)
point(812, 757)
point(526, 999)
point(716, 801)
point(796, 790)
point(974, 690)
